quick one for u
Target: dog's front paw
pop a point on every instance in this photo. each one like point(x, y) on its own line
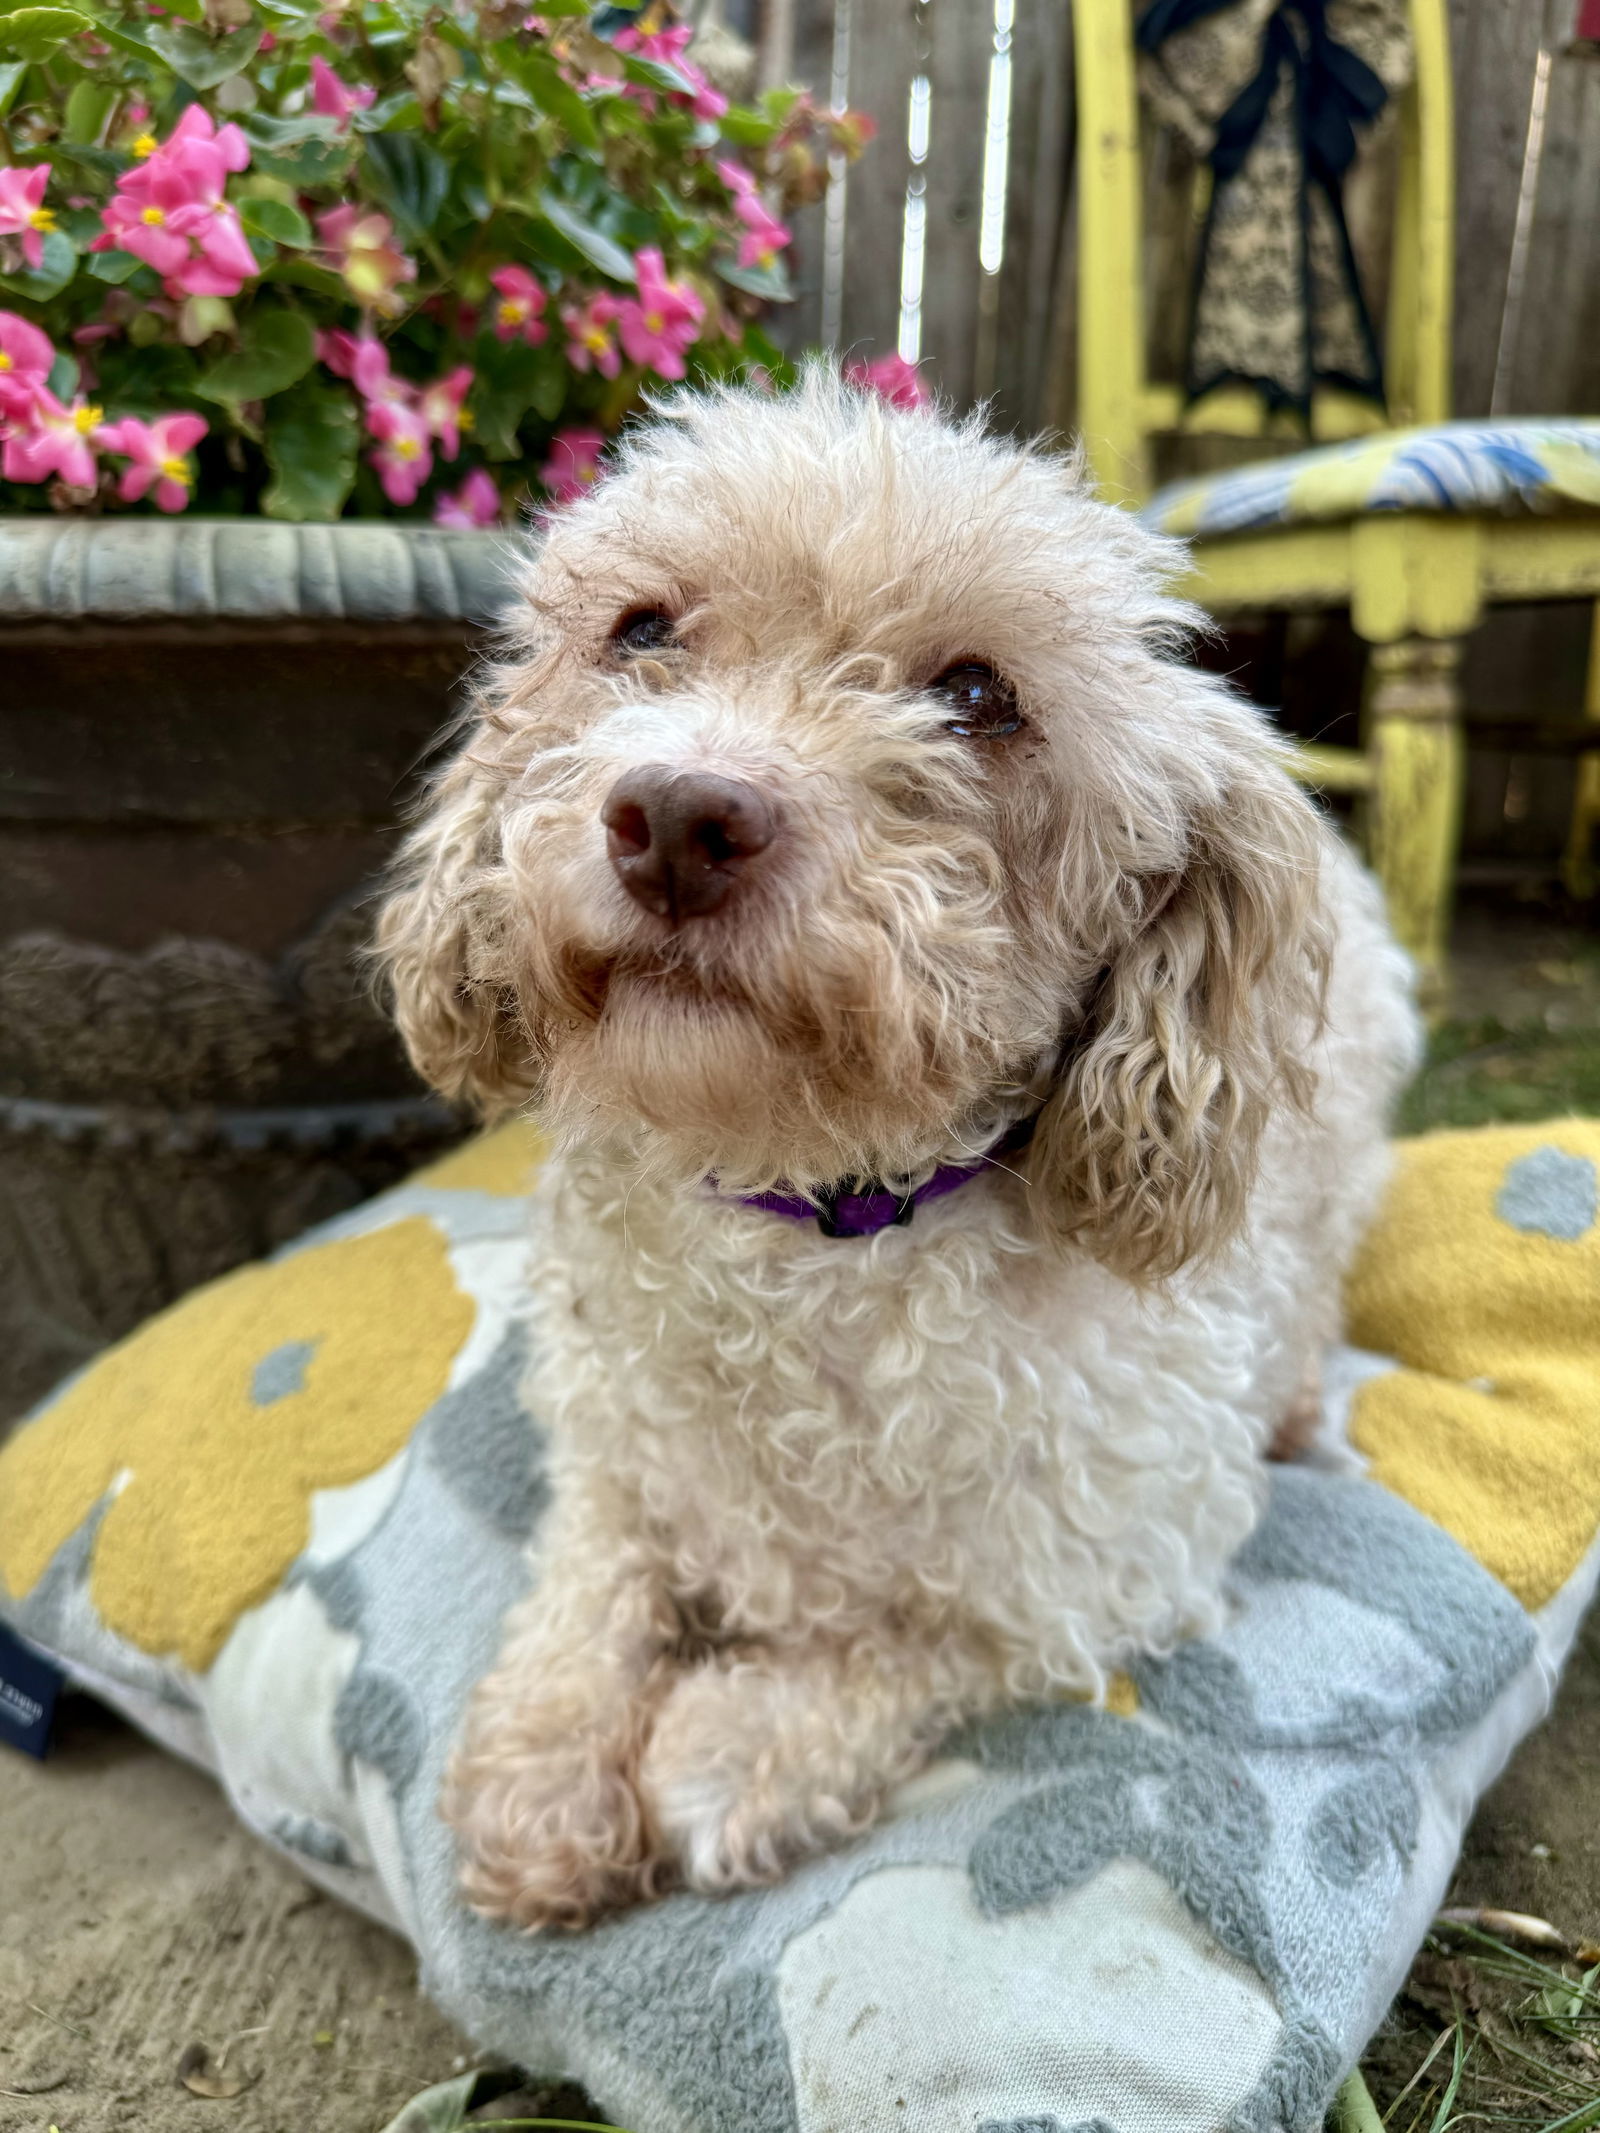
point(730, 1789)
point(551, 1835)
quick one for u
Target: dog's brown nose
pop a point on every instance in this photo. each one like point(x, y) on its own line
point(678, 838)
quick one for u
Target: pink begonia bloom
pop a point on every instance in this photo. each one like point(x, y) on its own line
point(892, 378)
point(574, 463)
point(337, 351)
point(439, 405)
point(359, 241)
point(764, 235)
point(157, 453)
point(663, 323)
point(45, 438)
point(590, 345)
point(25, 359)
point(404, 458)
point(169, 210)
point(517, 314)
point(334, 98)
point(670, 46)
point(475, 503)
point(22, 210)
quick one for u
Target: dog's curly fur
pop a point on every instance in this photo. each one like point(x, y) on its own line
point(817, 1499)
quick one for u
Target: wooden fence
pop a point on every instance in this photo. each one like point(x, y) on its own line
point(952, 238)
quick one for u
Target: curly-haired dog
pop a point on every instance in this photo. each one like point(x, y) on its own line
point(846, 816)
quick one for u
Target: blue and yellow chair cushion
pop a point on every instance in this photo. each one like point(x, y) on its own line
point(1454, 466)
point(279, 1527)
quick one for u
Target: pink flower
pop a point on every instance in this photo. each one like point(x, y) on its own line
point(892, 378)
point(45, 438)
point(25, 359)
point(475, 503)
point(158, 453)
point(589, 342)
point(22, 212)
point(337, 351)
point(517, 314)
point(334, 98)
point(670, 47)
point(404, 458)
point(662, 324)
point(169, 211)
point(358, 240)
point(764, 236)
point(574, 463)
point(439, 405)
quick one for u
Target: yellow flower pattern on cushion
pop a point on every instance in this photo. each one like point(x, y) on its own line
point(213, 1424)
point(1483, 1277)
point(502, 1162)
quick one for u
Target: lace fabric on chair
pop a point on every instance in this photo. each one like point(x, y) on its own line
point(1271, 93)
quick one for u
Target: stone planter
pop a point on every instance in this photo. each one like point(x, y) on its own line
point(208, 730)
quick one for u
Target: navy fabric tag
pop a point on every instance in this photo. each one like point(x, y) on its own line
point(29, 1686)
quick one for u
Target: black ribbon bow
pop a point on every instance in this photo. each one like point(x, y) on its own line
point(1335, 91)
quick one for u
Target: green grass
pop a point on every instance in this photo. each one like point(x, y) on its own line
point(1485, 2034)
point(1482, 1071)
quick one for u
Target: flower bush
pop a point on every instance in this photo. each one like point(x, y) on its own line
point(420, 256)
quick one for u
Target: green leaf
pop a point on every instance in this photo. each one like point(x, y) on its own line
point(312, 434)
point(748, 128)
point(552, 92)
point(276, 348)
point(511, 378)
point(55, 269)
point(114, 267)
point(63, 378)
point(11, 73)
point(131, 37)
point(189, 10)
point(298, 272)
point(410, 178)
point(441, 2109)
point(600, 250)
point(87, 107)
point(771, 282)
point(200, 60)
point(275, 219)
point(35, 32)
point(306, 151)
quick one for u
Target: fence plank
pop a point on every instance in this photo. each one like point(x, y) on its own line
point(1037, 183)
point(886, 49)
point(1494, 46)
point(799, 325)
point(1555, 367)
point(961, 34)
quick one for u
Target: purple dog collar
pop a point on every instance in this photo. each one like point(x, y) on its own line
point(838, 1213)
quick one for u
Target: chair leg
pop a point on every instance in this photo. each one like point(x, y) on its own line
point(1578, 868)
point(1413, 723)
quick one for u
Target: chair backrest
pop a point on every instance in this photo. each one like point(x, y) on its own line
point(1119, 410)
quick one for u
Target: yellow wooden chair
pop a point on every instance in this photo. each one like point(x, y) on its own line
point(1415, 529)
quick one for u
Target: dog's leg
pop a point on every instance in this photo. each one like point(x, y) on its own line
point(543, 1790)
point(759, 1758)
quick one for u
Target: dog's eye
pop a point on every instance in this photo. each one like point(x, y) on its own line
point(645, 629)
point(982, 703)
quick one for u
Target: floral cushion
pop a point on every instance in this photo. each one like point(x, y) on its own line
point(280, 1524)
point(1455, 466)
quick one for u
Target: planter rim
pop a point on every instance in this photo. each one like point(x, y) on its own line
point(250, 569)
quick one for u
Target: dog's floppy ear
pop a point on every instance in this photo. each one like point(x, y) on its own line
point(1146, 1150)
point(436, 942)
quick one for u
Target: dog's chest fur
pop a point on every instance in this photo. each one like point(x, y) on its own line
point(939, 1424)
